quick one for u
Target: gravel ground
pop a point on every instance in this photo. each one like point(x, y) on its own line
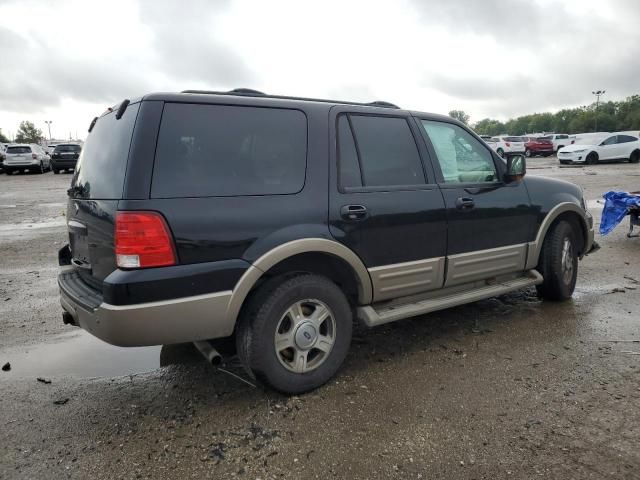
point(537, 389)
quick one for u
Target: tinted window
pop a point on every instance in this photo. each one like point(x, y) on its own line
point(347, 155)
point(610, 141)
point(102, 164)
point(462, 158)
point(19, 150)
point(626, 139)
point(388, 152)
point(67, 148)
point(514, 139)
point(562, 137)
point(216, 150)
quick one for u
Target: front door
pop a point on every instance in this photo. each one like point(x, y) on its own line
point(385, 204)
point(609, 148)
point(489, 222)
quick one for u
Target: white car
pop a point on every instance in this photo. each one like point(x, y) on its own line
point(489, 141)
point(612, 146)
point(26, 156)
point(559, 140)
point(508, 144)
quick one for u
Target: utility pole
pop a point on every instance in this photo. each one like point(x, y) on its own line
point(49, 122)
point(598, 94)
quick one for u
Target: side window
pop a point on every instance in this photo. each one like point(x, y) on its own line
point(626, 139)
point(562, 137)
point(461, 157)
point(610, 141)
point(349, 171)
point(387, 151)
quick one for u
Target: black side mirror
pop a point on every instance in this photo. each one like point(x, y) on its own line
point(516, 167)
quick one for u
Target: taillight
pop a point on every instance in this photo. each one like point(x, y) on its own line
point(142, 240)
point(34, 156)
point(507, 144)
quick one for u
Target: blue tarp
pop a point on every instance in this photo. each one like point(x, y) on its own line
point(616, 206)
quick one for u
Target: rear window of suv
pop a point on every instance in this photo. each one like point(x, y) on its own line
point(514, 139)
point(103, 161)
point(18, 150)
point(221, 150)
point(67, 148)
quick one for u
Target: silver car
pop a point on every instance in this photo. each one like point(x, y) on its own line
point(26, 156)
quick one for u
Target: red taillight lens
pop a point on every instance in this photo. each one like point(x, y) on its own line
point(34, 156)
point(507, 144)
point(142, 240)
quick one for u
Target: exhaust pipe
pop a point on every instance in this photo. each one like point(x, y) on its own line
point(211, 354)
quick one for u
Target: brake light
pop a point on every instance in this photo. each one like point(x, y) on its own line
point(507, 144)
point(34, 156)
point(142, 240)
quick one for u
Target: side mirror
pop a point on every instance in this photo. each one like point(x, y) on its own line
point(516, 167)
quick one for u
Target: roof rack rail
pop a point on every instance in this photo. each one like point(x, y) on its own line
point(383, 104)
point(249, 92)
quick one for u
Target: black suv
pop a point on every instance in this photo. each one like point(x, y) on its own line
point(277, 221)
point(65, 156)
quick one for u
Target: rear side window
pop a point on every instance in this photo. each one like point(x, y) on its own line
point(218, 150)
point(626, 139)
point(386, 151)
point(18, 150)
point(103, 161)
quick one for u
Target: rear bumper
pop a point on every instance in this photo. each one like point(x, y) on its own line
point(178, 320)
point(58, 163)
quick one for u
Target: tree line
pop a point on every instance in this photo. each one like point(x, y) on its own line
point(610, 116)
point(27, 133)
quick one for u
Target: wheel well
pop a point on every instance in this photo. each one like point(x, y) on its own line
point(578, 226)
point(635, 152)
point(593, 153)
point(325, 264)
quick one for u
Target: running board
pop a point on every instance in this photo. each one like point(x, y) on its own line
point(373, 316)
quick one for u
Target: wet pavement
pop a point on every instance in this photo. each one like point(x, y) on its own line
point(509, 387)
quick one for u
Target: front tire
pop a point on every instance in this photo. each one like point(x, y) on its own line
point(592, 158)
point(294, 333)
point(558, 263)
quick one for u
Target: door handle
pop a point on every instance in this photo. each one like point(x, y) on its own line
point(353, 213)
point(465, 203)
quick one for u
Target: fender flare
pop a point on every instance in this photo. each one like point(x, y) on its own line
point(289, 249)
point(535, 247)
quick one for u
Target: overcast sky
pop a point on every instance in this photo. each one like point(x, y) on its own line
point(66, 61)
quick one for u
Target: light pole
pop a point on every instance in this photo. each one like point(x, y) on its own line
point(49, 122)
point(598, 94)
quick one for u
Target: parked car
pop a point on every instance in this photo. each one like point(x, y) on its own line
point(273, 220)
point(509, 144)
point(50, 149)
point(65, 156)
point(489, 141)
point(26, 156)
point(611, 146)
point(537, 146)
point(559, 140)
point(3, 155)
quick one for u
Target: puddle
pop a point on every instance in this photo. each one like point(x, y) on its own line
point(78, 354)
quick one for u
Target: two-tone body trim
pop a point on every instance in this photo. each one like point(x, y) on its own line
point(401, 279)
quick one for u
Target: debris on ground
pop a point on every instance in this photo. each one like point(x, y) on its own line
point(6, 367)
point(46, 381)
point(62, 401)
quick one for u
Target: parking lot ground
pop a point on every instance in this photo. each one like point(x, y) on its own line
point(538, 389)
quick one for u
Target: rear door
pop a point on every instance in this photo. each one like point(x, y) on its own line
point(489, 222)
point(384, 202)
point(96, 189)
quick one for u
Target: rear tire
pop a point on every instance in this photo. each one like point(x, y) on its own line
point(635, 156)
point(56, 171)
point(282, 344)
point(558, 263)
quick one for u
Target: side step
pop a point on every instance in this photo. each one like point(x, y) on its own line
point(373, 316)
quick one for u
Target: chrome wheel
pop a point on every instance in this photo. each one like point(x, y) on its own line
point(305, 336)
point(567, 261)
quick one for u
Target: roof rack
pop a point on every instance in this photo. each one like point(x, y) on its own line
point(249, 92)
